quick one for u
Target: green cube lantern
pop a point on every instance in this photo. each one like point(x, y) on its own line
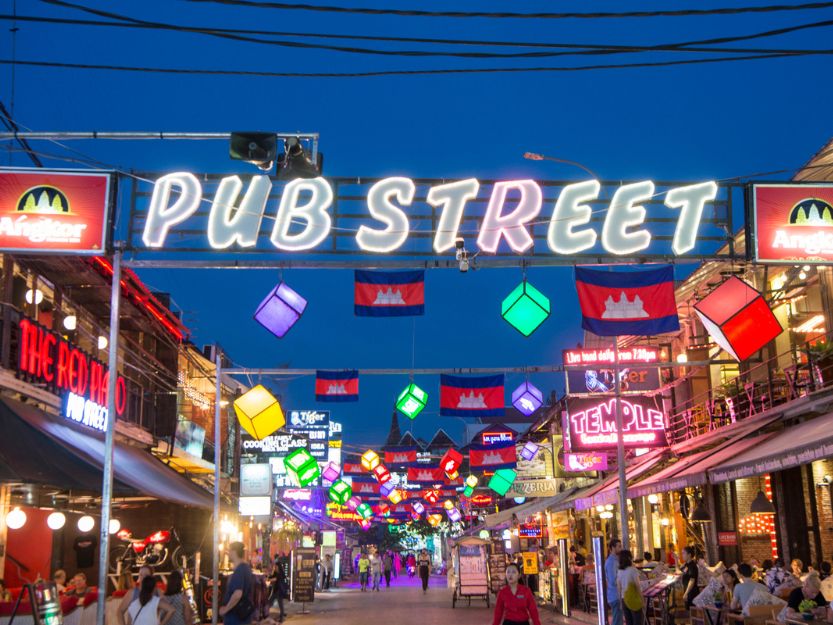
point(364, 510)
point(471, 484)
point(525, 308)
point(411, 401)
point(302, 467)
point(502, 481)
point(340, 492)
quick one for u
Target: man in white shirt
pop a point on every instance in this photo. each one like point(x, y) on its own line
point(744, 590)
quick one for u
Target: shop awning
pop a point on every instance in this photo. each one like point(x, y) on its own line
point(607, 492)
point(539, 504)
point(691, 471)
point(78, 459)
point(797, 445)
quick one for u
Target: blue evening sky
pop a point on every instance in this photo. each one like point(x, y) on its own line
point(690, 122)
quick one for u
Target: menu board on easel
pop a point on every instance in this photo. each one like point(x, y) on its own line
point(497, 572)
point(474, 578)
point(303, 575)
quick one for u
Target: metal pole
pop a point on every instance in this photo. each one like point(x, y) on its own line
point(620, 450)
point(563, 582)
point(215, 589)
point(599, 569)
point(134, 136)
point(109, 436)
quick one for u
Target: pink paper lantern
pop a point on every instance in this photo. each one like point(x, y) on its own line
point(331, 472)
point(354, 502)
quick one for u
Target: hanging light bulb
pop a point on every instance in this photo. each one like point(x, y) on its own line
point(653, 499)
point(56, 520)
point(70, 322)
point(102, 342)
point(86, 523)
point(114, 526)
point(16, 519)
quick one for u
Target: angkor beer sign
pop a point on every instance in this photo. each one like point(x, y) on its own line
point(243, 216)
point(591, 423)
point(58, 212)
point(792, 223)
point(47, 357)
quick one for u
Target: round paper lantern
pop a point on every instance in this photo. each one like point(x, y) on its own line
point(86, 523)
point(16, 519)
point(56, 520)
point(114, 526)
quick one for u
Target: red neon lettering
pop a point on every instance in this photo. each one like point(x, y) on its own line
point(74, 356)
point(25, 346)
point(63, 365)
point(83, 373)
point(121, 396)
point(34, 362)
point(47, 356)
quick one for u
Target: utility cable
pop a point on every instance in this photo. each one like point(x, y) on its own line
point(210, 30)
point(596, 49)
point(285, 6)
point(412, 72)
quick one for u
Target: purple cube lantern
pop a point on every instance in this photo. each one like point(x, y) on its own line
point(527, 398)
point(454, 515)
point(387, 488)
point(418, 507)
point(353, 503)
point(331, 472)
point(529, 451)
point(280, 310)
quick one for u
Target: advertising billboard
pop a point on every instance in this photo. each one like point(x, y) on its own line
point(54, 212)
point(792, 223)
point(592, 370)
point(591, 423)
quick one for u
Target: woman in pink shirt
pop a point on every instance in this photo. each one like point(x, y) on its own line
point(515, 602)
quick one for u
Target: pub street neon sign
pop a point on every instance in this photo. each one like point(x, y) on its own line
point(303, 217)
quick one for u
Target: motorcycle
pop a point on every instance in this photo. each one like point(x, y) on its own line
point(153, 550)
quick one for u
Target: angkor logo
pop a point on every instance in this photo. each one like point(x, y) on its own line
point(811, 212)
point(43, 199)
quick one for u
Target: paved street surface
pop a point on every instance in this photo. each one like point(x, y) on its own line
point(402, 604)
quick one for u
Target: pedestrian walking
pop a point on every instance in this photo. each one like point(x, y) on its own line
point(238, 608)
point(387, 567)
point(183, 615)
point(364, 568)
point(279, 589)
point(376, 570)
point(327, 571)
point(614, 601)
point(424, 566)
point(627, 582)
point(515, 603)
point(148, 609)
point(397, 563)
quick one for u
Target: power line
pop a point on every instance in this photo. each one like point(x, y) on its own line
point(210, 30)
point(510, 15)
point(576, 49)
point(412, 72)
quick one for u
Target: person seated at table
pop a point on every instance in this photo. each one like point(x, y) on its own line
point(776, 575)
point(797, 569)
point(60, 579)
point(79, 588)
point(811, 590)
point(824, 570)
point(729, 579)
point(648, 560)
point(5, 595)
point(746, 587)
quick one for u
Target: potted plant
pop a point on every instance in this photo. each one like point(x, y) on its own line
point(806, 608)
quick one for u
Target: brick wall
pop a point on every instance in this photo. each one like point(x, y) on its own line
point(824, 506)
point(751, 545)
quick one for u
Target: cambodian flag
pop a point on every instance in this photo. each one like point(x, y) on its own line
point(389, 293)
point(401, 456)
point(494, 456)
point(425, 475)
point(354, 468)
point(621, 303)
point(337, 385)
point(471, 397)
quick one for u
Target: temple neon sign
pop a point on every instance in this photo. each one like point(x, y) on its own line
point(591, 423)
point(303, 218)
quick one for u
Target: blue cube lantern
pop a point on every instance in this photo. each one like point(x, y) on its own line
point(280, 310)
point(387, 488)
point(529, 451)
point(527, 398)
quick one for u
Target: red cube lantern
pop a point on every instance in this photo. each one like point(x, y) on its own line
point(381, 473)
point(451, 461)
point(738, 318)
point(431, 496)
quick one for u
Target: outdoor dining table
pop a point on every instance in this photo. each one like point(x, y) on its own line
point(724, 615)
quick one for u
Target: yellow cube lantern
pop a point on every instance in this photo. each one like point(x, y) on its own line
point(434, 519)
point(395, 496)
point(259, 412)
point(370, 460)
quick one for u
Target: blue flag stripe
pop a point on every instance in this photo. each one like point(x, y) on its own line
point(480, 382)
point(626, 279)
point(389, 277)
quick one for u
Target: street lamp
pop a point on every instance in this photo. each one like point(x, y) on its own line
point(532, 156)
